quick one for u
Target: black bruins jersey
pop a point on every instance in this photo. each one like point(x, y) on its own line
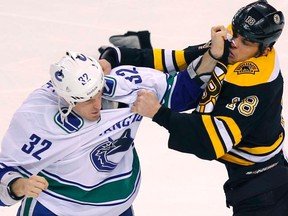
point(238, 120)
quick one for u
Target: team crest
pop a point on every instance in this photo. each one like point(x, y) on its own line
point(110, 86)
point(247, 67)
point(104, 157)
point(72, 123)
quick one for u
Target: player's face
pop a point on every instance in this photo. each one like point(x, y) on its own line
point(90, 109)
point(242, 50)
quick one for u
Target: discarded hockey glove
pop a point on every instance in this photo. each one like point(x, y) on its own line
point(112, 55)
point(132, 39)
point(102, 48)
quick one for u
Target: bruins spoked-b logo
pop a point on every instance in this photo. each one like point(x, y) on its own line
point(104, 157)
point(247, 67)
point(212, 91)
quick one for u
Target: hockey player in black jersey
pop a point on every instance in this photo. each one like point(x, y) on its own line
point(238, 121)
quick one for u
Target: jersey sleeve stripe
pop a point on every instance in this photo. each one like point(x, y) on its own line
point(233, 128)
point(180, 60)
point(174, 60)
point(216, 142)
point(264, 149)
point(236, 160)
point(158, 59)
point(256, 158)
point(168, 57)
point(226, 137)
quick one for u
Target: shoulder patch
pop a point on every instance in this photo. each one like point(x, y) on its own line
point(247, 67)
point(72, 123)
point(110, 86)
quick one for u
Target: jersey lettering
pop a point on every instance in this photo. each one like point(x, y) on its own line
point(33, 146)
point(246, 107)
point(131, 75)
point(124, 123)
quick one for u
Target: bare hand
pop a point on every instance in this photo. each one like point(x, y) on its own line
point(218, 35)
point(146, 104)
point(29, 187)
point(106, 66)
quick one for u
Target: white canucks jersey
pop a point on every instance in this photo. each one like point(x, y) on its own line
point(92, 167)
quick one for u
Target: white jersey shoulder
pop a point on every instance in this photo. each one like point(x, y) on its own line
point(124, 81)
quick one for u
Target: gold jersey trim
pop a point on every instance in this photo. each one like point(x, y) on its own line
point(236, 160)
point(217, 144)
point(158, 59)
point(254, 71)
point(180, 60)
point(234, 129)
point(264, 149)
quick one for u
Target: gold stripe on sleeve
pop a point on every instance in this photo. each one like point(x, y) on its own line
point(180, 60)
point(158, 59)
point(230, 158)
point(264, 149)
point(234, 129)
point(216, 142)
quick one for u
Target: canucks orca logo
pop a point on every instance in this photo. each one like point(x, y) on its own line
point(101, 156)
point(59, 75)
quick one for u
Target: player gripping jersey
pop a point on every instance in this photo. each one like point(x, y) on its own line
point(92, 167)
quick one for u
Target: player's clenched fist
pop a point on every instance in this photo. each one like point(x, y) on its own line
point(146, 104)
point(29, 187)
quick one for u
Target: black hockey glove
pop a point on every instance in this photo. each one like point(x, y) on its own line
point(111, 55)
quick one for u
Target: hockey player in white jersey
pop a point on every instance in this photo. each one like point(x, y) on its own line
point(61, 155)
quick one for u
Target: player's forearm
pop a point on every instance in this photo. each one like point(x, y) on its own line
point(207, 64)
point(187, 132)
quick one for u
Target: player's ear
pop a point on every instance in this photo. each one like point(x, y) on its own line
point(266, 51)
